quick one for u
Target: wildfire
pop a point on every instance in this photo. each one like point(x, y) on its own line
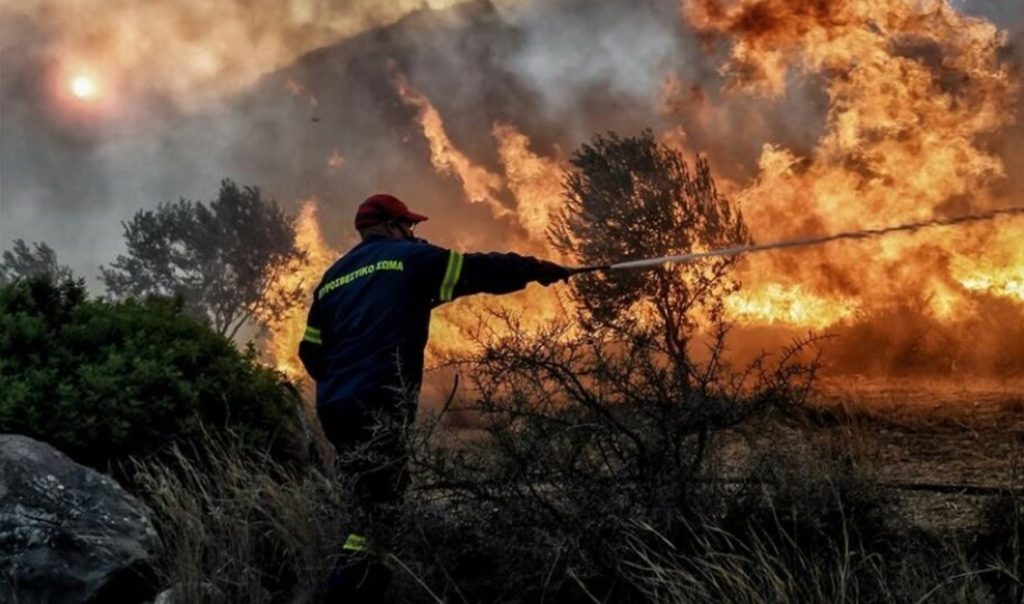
point(535, 181)
point(915, 92)
point(914, 87)
point(1003, 280)
point(775, 304)
point(450, 325)
point(535, 184)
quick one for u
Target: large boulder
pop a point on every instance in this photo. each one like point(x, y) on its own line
point(68, 533)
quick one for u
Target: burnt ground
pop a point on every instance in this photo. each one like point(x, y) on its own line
point(942, 449)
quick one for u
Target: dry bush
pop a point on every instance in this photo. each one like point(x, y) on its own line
point(580, 437)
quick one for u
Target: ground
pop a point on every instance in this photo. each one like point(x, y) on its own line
point(944, 446)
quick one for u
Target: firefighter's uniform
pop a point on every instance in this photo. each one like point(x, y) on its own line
point(364, 343)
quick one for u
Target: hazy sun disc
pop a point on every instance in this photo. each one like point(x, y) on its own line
point(83, 87)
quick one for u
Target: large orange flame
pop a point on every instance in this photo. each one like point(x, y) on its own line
point(534, 180)
point(481, 185)
point(285, 333)
point(914, 88)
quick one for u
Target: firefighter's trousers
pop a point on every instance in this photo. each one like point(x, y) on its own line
point(368, 435)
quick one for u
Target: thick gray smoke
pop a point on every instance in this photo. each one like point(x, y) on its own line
point(331, 124)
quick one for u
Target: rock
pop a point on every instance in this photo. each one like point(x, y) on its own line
point(68, 533)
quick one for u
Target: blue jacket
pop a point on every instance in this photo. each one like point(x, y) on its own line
point(368, 325)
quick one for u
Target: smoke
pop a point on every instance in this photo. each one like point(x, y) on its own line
point(578, 49)
point(181, 103)
point(191, 51)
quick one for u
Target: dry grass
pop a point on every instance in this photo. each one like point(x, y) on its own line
point(239, 527)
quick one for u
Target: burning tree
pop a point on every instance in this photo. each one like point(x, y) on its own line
point(224, 259)
point(634, 198)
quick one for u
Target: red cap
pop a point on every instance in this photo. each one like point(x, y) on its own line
point(382, 208)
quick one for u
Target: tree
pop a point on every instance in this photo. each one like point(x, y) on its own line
point(20, 262)
point(102, 381)
point(224, 259)
point(632, 198)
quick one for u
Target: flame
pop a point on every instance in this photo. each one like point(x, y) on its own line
point(775, 304)
point(534, 180)
point(480, 185)
point(996, 275)
point(915, 93)
point(914, 88)
point(535, 183)
point(450, 325)
point(284, 334)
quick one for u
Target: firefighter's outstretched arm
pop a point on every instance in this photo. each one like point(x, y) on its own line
point(493, 273)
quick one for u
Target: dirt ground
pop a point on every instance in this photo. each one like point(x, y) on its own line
point(944, 446)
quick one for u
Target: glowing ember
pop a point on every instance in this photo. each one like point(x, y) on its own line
point(297, 89)
point(335, 161)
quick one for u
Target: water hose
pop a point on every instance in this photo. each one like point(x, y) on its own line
point(794, 243)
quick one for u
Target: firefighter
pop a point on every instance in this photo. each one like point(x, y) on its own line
point(364, 342)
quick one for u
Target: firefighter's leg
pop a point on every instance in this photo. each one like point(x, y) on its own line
point(358, 576)
point(372, 455)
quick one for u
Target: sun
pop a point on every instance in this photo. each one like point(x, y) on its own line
point(83, 87)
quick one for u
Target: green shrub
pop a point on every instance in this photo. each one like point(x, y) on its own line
point(102, 381)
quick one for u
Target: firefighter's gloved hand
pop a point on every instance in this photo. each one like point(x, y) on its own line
point(549, 272)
